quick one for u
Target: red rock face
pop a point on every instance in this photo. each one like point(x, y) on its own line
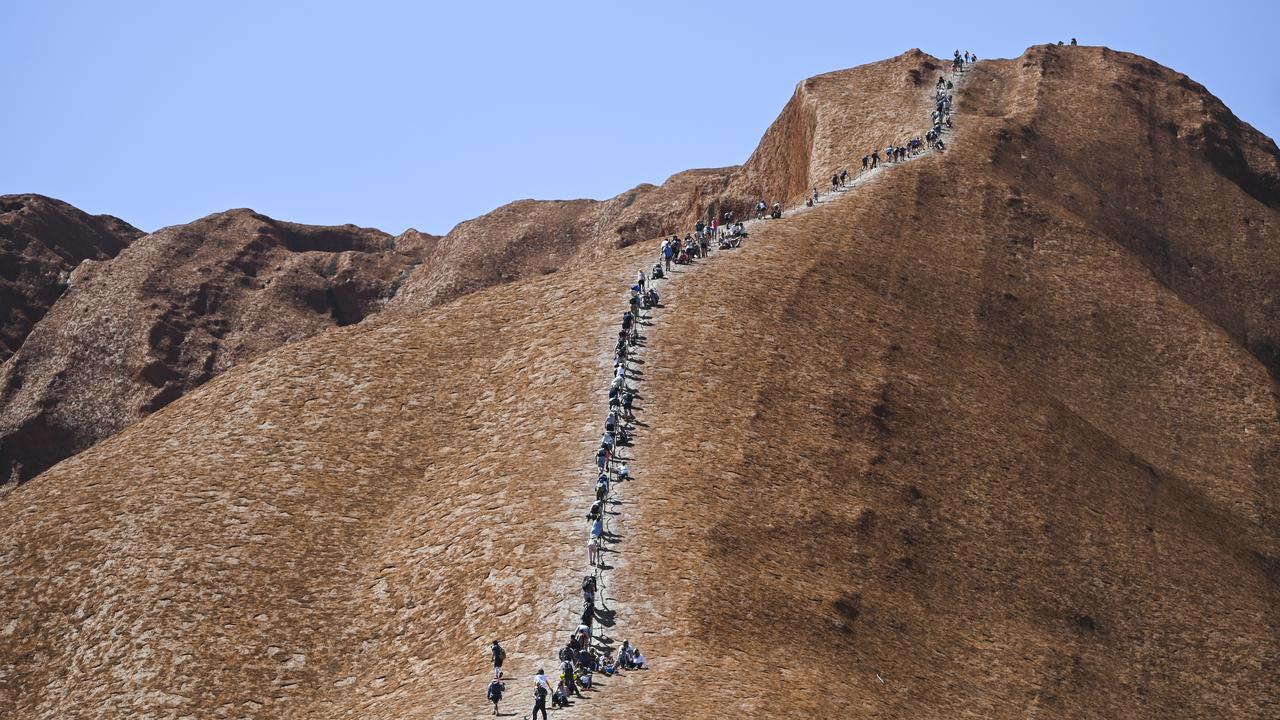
point(178, 307)
point(992, 434)
point(41, 241)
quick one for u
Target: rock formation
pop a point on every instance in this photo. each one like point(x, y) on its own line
point(176, 308)
point(41, 241)
point(993, 434)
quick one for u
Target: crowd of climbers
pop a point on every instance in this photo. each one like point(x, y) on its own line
point(586, 652)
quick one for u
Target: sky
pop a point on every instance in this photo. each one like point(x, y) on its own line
point(422, 114)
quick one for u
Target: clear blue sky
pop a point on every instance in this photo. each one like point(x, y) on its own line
point(423, 114)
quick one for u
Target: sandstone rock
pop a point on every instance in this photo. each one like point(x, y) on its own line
point(41, 241)
point(963, 441)
point(176, 308)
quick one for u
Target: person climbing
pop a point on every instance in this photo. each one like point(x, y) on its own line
point(760, 208)
point(628, 397)
point(844, 178)
point(602, 487)
point(560, 698)
point(498, 656)
point(815, 196)
point(597, 528)
point(593, 551)
point(835, 182)
point(875, 159)
point(566, 674)
point(494, 693)
point(865, 159)
point(594, 512)
point(777, 211)
point(541, 689)
point(1073, 42)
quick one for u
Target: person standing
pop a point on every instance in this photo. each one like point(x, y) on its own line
point(541, 689)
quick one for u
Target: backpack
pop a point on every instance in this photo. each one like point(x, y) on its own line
point(495, 691)
point(540, 692)
point(589, 583)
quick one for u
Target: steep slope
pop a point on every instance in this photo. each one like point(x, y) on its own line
point(41, 241)
point(969, 458)
point(176, 308)
point(831, 121)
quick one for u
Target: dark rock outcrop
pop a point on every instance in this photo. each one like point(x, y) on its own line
point(41, 241)
point(173, 310)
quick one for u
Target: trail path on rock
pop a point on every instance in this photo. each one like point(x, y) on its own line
point(621, 513)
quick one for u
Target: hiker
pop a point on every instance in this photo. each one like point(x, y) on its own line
point(815, 196)
point(628, 397)
point(624, 473)
point(656, 274)
point(593, 551)
point(1073, 42)
point(844, 178)
point(875, 159)
point(705, 247)
point(498, 656)
point(667, 253)
point(589, 611)
point(865, 160)
point(496, 688)
point(559, 699)
point(607, 664)
point(597, 528)
point(602, 487)
point(596, 509)
point(777, 211)
point(541, 688)
point(835, 182)
point(589, 590)
point(760, 208)
point(624, 655)
point(566, 674)
point(637, 659)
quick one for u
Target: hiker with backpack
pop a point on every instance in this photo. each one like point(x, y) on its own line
point(498, 656)
point(495, 690)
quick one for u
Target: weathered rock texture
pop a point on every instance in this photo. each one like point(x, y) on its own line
point(949, 445)
point(41, 241)
point(176, 308)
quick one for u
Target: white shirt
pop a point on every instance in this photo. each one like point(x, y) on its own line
point(541, 679)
